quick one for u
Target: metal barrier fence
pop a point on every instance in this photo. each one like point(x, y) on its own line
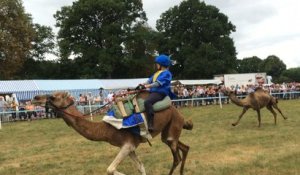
point(8, 116)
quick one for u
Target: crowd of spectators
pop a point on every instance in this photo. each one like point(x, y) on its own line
point(12, 109)
point(89, 99)
point(196, 95)
point(209, 94)
point(100, 99)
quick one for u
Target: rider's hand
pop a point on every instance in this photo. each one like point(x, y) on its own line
point(140, 87)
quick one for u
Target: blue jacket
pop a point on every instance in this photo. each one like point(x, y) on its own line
point(164, 80)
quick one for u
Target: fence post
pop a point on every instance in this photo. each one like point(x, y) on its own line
point(90, 110)
point(1, 120)
point(220, 100)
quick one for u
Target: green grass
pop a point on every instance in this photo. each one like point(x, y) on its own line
point(50, 147)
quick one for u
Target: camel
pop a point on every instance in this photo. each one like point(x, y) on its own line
point(168, 122)
point(255, 100)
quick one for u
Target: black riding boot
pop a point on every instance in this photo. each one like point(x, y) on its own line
point(153, 98)
point(150, 122)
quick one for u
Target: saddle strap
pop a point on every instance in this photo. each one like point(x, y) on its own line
point(121, 108)
point(136, 105)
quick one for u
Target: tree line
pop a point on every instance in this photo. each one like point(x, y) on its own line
point(111, 39)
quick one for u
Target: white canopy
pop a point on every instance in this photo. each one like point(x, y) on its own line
point(199, 82)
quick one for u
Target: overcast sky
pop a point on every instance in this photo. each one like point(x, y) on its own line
point(263, 27)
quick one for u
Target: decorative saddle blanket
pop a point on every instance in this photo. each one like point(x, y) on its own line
point(129, 114)
point(135, 123)
point(129, 105)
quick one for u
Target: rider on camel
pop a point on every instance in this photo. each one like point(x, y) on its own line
point(160, 86)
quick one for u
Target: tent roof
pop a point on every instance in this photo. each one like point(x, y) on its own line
point(121, 83)
point(18, 85)
point(199, 82)
point(56, 85)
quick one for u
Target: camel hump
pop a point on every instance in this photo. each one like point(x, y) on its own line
point(188, 125)
point(258, 89)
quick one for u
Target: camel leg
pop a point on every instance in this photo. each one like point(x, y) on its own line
point(185, 149)
point(125, 151)
point(258, 117)
point(276, 107)
point(241, 115)
point(173, 145)
point(138, 163)
point(269, 107)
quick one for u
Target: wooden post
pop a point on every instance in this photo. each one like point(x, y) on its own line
point(1, 121)
point(90, 110)
point(220, 100)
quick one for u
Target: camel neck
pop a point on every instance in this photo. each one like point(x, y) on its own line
point(235, 100)
point(84, 127)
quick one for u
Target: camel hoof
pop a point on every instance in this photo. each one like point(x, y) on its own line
point(233, 124)
point(285, 118)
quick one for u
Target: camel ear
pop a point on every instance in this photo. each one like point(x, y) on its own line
point(67, 94)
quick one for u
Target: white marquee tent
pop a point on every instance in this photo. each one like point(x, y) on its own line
point(26, 89)
point(198, 82)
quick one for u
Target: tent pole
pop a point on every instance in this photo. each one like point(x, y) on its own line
point(90, 110)
point(1, 121)
point(220, 100)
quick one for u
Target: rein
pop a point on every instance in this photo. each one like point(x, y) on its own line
point(62, 109)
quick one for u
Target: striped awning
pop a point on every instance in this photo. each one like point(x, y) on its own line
point(27, 89)
point(24, 89)
point(18, 85)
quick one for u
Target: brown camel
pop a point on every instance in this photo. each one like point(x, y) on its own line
point(168, 122)
point(255, 100)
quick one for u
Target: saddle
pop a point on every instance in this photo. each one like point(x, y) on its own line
point(126, 106)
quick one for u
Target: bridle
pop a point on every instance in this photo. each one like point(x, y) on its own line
point(48, 101)
point(62, 109)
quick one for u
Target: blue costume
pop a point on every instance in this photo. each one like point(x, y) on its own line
point(164, 80)
point(160, 87)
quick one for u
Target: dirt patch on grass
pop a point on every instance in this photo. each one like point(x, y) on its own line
point(234, 155)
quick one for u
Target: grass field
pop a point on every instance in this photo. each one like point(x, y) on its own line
point(50, 147)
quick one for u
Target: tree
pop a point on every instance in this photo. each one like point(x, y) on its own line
point(93, 31)
point(43, 42)
point(291, 75)
point(273, 66)
point(139, 50)
point(16, 33)
point(40, 69)
point(197, 37)
point(249, 65)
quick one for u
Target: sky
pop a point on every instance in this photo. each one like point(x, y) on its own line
point(263, 27)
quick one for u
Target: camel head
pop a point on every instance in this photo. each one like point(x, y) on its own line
point(56, 100)
point(227, 91)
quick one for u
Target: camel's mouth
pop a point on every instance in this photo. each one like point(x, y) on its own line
point(39, 100)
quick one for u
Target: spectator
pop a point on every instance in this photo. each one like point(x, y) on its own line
point(110, 96)
point(30, 110)
point(8, 99)
point(22, 112)
point(186, 95)
point(82, 100)
point(98, 100)
point(3, 106)
point(48, 111)
point(14, 107)
point(90, 99)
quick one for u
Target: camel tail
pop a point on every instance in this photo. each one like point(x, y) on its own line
point(188, 125)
